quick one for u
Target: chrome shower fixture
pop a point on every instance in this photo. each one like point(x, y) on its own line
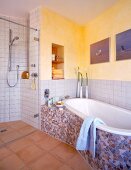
point(15, 38)
point(11, 41)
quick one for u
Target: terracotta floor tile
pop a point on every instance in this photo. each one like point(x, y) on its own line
point(46, 162)
point(37, 136)
point(26, 130)
point(30, 153)
point(4, 152)
point(25, 168)
point(35, 150)
point(5, 124)
point(1, 143)
point(11, 162)
point(77, 163)
point(64, 152)
point(8, 137)
point(65, 167)
point(8, 130)
point(19, 144)
point(18, 124)
point(48, 143)
point(15, 131)
point(12, 122)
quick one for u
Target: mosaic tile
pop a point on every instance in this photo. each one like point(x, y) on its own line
point(113, 152)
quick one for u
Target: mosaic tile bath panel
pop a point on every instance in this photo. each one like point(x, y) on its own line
point(63, 125)
point(113, 152)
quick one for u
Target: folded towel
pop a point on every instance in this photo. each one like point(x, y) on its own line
point(87, 136)
point(57, 71)
point(58, 77)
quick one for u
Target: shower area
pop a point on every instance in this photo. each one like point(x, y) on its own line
point(19, 72)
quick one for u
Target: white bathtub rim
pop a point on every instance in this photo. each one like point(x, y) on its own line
point(113, 106)
point(105, 128)
point(116, 131)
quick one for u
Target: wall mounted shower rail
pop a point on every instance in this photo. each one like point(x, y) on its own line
point(18, 24)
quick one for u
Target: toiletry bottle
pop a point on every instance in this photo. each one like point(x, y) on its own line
point(49, 103)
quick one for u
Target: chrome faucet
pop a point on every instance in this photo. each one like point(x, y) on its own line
point(79, 85)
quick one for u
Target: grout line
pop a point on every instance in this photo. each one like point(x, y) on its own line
point(4, 144)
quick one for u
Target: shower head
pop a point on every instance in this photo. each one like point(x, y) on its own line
point(15, 38)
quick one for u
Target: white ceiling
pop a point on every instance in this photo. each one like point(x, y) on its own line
point(80, 11)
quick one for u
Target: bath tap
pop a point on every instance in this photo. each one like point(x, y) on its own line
point(81, 87)
point(86, 94)
point(79, 83)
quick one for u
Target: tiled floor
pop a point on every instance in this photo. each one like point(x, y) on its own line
point(35, 150)
point(14, 130)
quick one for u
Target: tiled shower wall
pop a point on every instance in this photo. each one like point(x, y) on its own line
point(10, 97)
point(111, 91)
point(29, 97)
point(58, 88)
point(20, 102)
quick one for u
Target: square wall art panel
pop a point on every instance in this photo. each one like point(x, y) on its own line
point(99, 51)
point(123, 45)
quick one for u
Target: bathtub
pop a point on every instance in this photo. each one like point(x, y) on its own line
point(113, 141)
point(118, 120)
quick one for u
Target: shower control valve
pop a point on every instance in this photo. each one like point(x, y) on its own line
point(34, 75)
point(33, 65)
point(17, 66)
point(46, 93)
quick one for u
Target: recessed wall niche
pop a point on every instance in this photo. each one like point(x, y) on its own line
point(123, 45)
point(57, 62)
point(99, 52)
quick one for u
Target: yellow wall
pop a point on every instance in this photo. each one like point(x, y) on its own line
point(76, 40)
point(59, 30)
point(109, 23)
